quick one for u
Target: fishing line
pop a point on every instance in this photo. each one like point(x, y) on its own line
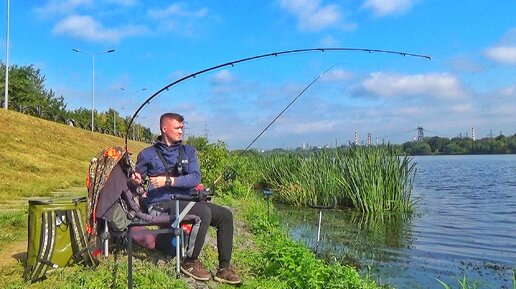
point(273, 54)
point(274, 120)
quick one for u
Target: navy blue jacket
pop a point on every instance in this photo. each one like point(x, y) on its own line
point(149, 164)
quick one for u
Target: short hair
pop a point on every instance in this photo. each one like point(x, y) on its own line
point(170, 115)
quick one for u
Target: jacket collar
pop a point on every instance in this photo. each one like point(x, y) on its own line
point(161, 143)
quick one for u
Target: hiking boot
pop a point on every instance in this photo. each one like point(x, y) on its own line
point(227, 275)
point(194, 269)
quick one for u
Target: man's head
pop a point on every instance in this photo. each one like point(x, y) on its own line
point(171, 127)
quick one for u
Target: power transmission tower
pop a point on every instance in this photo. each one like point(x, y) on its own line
point(206, 131)
point(420, 133)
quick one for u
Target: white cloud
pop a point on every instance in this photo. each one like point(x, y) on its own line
point(176, 10)
point(306, 127)
point(466, 64)
point(62, 7)
point(462, 108)
point(127, 3)
point(224, 83)
point(337, 75)
point(223, 77)
point(505, 51)
point(312, 15)
point(502, 54)
point(386, 7)
point(411, 111)
point(87, 28)
point(185, 21)
point(442, 86)
point(329, 41)
point(506, 110)
point(509, 91)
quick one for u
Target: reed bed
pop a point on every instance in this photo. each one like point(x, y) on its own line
point(378, 180)
point(370, 179)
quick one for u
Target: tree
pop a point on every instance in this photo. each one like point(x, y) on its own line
point(213, 158)
point(453, 148)
point(421, 148)
point(511, 145)
point(437, 143)
point(27, 93)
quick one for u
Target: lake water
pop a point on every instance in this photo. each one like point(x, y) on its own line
point(464, 225)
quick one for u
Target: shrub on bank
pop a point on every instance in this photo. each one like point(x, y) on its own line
point(291, 262)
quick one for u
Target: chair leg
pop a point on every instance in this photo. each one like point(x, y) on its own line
point(129, 259)
point(106, 239)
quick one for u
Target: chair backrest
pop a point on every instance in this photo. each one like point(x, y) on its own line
point(112, 202)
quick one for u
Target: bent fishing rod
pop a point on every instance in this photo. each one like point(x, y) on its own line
point(273, 54)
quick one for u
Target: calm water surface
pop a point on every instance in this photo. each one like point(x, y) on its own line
point(464, 225)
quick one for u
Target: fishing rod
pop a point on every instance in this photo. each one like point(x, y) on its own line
point(274, 120)
point(273, 54)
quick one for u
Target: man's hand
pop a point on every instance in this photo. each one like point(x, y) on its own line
point(160, 181)
point(136, 179)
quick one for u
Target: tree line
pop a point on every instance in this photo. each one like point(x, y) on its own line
point(27, 94)
point(440, 145)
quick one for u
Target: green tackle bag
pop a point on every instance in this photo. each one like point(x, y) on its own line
point(56, 236)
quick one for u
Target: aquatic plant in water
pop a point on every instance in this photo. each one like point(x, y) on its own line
point(370, 179)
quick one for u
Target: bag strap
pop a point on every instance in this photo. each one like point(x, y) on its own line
point(179, 164)
point(46, 247)
point(81, 251)
point(181, 158)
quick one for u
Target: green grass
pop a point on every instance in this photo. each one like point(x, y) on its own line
point(13, 226)
point(38, 157)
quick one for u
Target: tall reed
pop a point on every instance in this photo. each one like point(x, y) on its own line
point(302, 178)
point(377, 180)
point(371, 179)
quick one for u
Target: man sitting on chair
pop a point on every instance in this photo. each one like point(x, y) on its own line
point(173, 168)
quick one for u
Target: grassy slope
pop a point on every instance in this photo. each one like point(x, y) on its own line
point(39, 156)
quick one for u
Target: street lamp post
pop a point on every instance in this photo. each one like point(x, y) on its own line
point(93, 80)
point(6, 87)
point(114, 123)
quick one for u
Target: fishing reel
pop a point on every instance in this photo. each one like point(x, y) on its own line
point(201, 193)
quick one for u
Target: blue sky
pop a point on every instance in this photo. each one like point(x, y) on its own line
point(469, 83)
